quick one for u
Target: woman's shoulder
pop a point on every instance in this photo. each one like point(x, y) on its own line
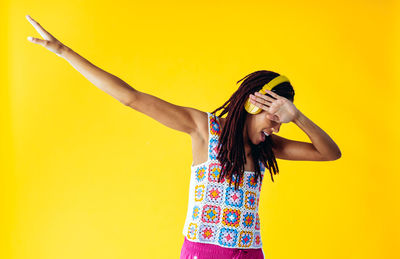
point(202, 120)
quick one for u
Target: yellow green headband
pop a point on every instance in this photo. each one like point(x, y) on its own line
point(251, 108)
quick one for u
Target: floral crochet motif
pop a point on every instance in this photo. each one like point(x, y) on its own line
point(218, 213)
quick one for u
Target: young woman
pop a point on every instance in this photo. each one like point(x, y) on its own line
point(230, 154)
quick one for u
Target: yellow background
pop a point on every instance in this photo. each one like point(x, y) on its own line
point(83, 176)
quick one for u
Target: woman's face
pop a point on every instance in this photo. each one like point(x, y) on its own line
point(257, 124)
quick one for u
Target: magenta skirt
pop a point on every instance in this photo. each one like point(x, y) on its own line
point(194, 250)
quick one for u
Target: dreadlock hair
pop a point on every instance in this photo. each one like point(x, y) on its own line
point(231, 154)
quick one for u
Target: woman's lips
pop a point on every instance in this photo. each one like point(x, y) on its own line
point(264, 135)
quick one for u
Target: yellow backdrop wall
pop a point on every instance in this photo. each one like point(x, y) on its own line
point(83, 176)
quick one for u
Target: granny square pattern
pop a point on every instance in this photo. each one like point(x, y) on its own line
point(214, 193)
point(257, 239)
point(218, 213)
point(214, 126)
point(250, 200)
point(251, 181)
point(257, 226)
point(245, 238)
point(196, 212)
point(234, 197)
point(200, 173)
point(207, 233)
point(192, 231)
point(213, 148)
point(248, 220)
point(231, 217)
point(214, 171)
point(199, 193)
point(228, 237)
point(211, 214)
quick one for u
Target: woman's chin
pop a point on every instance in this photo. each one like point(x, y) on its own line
point(257, 142)
point(258, 139)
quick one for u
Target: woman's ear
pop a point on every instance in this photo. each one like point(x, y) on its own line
point(273, 117)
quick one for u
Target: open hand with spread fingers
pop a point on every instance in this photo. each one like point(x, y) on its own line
point(49, 42)
point(279, 108)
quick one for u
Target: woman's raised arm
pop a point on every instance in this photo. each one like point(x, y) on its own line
point(180, 118)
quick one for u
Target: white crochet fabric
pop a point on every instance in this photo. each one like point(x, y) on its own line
point(217, 213)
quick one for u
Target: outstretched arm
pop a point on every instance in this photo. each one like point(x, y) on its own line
point(180, 118)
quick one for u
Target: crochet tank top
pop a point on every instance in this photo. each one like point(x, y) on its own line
point(217, 213)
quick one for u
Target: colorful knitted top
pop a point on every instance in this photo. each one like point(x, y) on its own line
point(217, 213)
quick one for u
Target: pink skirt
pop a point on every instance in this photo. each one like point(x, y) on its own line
point(194, 250)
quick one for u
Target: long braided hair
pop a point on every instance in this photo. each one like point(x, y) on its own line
point(231, 154)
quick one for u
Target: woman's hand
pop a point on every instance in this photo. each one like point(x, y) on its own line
point(279, 108)
point(49, 42)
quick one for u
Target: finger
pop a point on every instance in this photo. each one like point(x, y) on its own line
point(38, 41)
point(40, 29)
point(260, 99)
point(266, 97)
point(272, 93)
point(260, 105)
